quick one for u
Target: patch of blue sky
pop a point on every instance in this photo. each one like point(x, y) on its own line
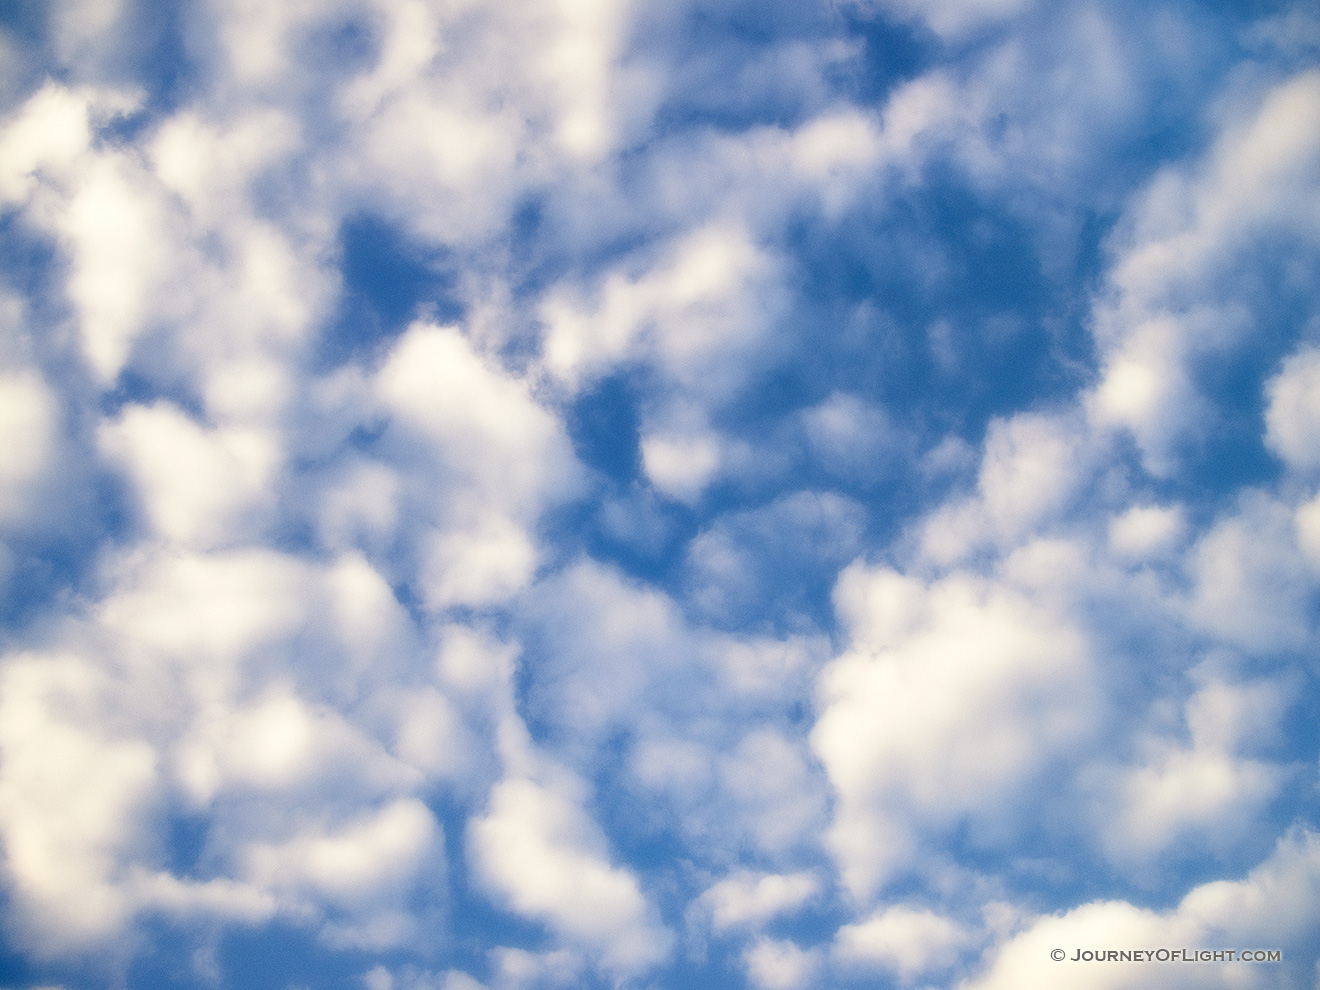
point(387, 283)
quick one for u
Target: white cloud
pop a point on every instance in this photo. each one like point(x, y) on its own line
point(681, 466)
point(360, 506)
point(412, 978)
point(360, 862)
point(49, 133)
point(1274, 907)
point(737, 565)
point(1251, 586)
point(1292, 417)
point(120, 237)
point(1179, 244)
point(29, 432)
point(851, 437)
point(1208, 789)
point(486, 562)
point(609, 643)
point(1306, 522)
point(709, 297)
point(748, 899)
point(929, 667)
point(906, 940)
point(1146, 530)
point(280, 744)
point(200, 487)
point(293, 709)
point(211, 165)
point(1031, 468)
point(540, 852)
point(501, 456)
point(780, 965)
point(484, 424)
point(466, 106)
point(206, 611)
point(777, 792)
point(73, 795)
point(515, 969)
point(178, 694)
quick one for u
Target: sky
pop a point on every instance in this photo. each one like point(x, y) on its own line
point(785, 495)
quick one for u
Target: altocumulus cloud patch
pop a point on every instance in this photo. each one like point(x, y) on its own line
point(553, 494)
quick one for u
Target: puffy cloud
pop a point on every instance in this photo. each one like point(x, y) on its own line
point(198, 487)
point(712, 293)
point(1031, 467)
point(1293, 416)
point(73, 794)
point(359, 862)
point(47, 134)
point(504, 455)
point(1210, 789)
point(1145, 530)
point(210, 611)
point(279, 744)
point(928, 668)
point(851, 437)
point(1183, 241)
point(906, 940)
point(780, 965)
point(681, 465)
point(538, 850)
point(364, 594)
point(1273, 907)
point(748, 899)
point(1251, 586)
point(483, 423)
point(412, 978)
point(738, 565)
point(174, 697)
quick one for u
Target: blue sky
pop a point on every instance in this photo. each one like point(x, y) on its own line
point(596, 493)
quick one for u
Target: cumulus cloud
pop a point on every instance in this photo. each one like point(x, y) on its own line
point(908, 941)
point(1191, 230)
point(537, 848)
point(749, 899)
point(928, 668)
point(780, 965)
point(1272, 907)
point(939, 568)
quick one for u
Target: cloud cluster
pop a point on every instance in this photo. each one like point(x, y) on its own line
point(813, 494)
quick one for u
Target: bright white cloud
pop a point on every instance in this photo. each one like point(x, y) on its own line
point(73, 795)
point(538, 850)
point(199, 487)
point(905, 940)
point(928, 668)
point(301, 558)
point(1273, 907)
point(710, 294)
